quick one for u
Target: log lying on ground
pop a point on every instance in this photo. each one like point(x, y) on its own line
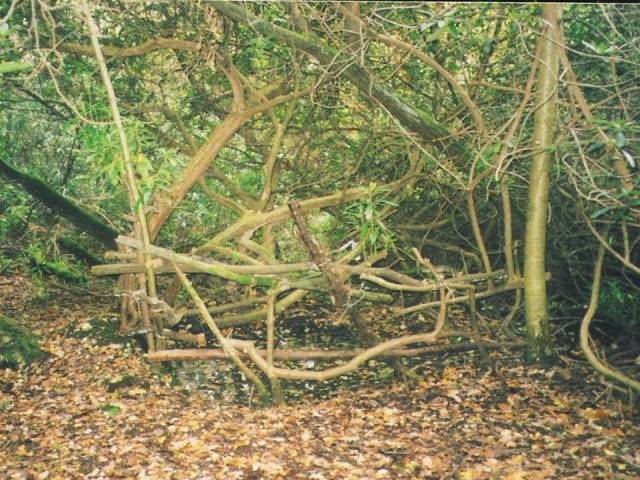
point(321, 355)
point(183, 336)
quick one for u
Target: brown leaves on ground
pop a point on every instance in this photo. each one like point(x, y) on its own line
point(97, 412)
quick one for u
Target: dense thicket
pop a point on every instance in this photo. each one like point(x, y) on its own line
point(397, 125)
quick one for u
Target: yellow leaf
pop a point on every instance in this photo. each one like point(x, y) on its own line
point(467, 475)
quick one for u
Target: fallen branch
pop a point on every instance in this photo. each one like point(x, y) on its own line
point(124, 268)
point(183, 336)
point(196, 354)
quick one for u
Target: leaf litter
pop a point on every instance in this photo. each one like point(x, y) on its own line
point(99, 411)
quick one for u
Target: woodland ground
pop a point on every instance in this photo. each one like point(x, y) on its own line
point(69, 416)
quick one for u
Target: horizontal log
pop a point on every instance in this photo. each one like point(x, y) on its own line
point(110, 255)
point(217, 269)
point(125, 268)
point(184, 336)
point(431, 286)
point(321, 355)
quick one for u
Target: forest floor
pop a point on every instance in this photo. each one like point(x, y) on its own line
point(71, 416)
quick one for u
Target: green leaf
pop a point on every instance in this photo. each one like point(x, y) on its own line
point(14, 67)
point(368, 213)
point(598, 213)
point(595, 146)
point(111, 410)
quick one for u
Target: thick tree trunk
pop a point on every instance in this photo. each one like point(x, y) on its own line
point(61, 205)
point(536, 230)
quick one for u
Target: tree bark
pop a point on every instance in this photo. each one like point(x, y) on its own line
point(61, 205)
point(536, 228)
point(414, 120)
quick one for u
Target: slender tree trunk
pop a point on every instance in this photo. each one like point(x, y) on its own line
point(536, 230)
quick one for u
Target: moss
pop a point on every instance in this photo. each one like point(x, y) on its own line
point(18, 346)
point(104, 331)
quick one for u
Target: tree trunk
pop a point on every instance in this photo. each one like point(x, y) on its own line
point(61, 205)
point(536, 229)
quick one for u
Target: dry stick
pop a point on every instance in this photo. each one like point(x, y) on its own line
point(462, 286)
point(134, 197)
point(339, 291)
point(225, 343)
point(259, 314)
point(283, 304)
point(184, 336)
point(234, 254)
point(619, 163)
point(507, 220)
point(193, 354)
point(635, 269)
point(121, 268)
point(477, 234)
point(272, 159)
point(271, 321)
point(463, 299)
point(517, 304)
point(217, 269)
point(586, 322)
point(455, 249)
point(474, 321)
point(431, 286)
point(291, 298)
point(249, 349)
point(186, 312)
point(250, 279)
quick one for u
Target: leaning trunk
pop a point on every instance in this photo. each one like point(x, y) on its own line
point(61, 205)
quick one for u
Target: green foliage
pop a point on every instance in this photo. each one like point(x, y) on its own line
point(619, 304)
point(14, 67)
point(18, 347)
point(367, 218)
point(59, 267)
point(111, 410)
point(250, 181)
point(13, 218)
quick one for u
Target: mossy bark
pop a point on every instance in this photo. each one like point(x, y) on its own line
point(61, 205)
